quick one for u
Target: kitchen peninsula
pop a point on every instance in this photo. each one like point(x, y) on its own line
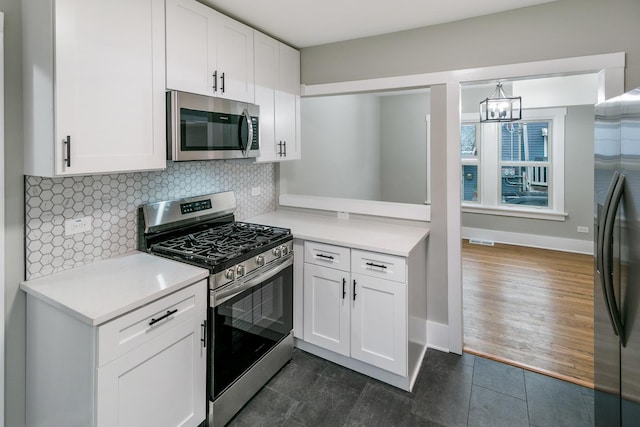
point(360, 292)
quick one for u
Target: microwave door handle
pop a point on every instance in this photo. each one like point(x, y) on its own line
point(247, 147)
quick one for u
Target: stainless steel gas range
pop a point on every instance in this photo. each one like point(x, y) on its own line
point(250, 313)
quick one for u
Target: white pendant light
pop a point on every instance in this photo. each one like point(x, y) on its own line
point(500, 108)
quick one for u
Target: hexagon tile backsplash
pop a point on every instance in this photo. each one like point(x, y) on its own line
point(111, 201)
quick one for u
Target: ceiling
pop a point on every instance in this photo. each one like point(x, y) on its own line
point(303, 23)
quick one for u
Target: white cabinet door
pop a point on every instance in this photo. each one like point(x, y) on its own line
point(191, 47)
point(379, 323)
point(277, 76)
point(208, 53)
point(266, 57)
point(235, 60)
point(288, 104)
point(326, 308)
point(109, 86)
point(161, 383)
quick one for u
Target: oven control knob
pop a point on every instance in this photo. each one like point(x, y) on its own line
point(260, 260)
point(285, 250)
point(240, 270)
point(229, 274)
point(276, 252)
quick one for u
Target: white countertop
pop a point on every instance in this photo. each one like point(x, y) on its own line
point(367, 235)
point(98, 292)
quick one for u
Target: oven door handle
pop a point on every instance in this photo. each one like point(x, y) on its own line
point(220, 296)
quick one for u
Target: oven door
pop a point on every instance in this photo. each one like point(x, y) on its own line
point(249, 319)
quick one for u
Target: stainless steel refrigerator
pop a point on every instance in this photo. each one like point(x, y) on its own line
point(617, 256)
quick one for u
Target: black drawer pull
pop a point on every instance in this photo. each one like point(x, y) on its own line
point(354, 289)
point(344, 289)
point(324, 256)
point(164, 316)
point(204, 334)
point(67, 143)
point(370, 264)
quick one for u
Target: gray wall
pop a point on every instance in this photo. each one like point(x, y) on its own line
point(560, 29)
point(403, 160)
point(341, 153)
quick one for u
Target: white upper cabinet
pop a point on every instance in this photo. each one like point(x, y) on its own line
point(208, 53)
point(94, 95)
point(277, 77)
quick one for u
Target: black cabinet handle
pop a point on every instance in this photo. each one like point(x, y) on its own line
point(344, 289)
point(354, 289)
point(280, 152)
point(204, 334)
point(68, 144)
point(324, 256)
point(370, 264)
point(215, 81)
point(285, 148)
point(222, 79)
point(164, 316)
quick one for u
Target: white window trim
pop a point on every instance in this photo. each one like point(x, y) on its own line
point(489, 169)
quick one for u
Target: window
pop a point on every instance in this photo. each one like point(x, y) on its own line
point(524, 163)
point(469, 138)
point(514, 168)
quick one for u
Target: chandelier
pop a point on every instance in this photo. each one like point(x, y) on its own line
point(500, 108)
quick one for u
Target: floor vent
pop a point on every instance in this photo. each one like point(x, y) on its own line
point(481, 242)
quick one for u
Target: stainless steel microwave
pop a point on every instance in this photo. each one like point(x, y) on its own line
point(205, 128)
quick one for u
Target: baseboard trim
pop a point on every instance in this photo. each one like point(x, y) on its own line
point(530, 240)
point(438, 336)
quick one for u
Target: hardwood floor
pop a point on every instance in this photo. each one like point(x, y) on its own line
point(529, 307)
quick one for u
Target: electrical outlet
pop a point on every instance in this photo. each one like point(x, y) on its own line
point(256, 191)
point(77, 225)
point(582, 229)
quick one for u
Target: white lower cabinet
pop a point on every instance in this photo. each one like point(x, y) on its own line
point(147, 367)
point(326, 308)
point(159, 384)
point(379, 323)
point(358, 315)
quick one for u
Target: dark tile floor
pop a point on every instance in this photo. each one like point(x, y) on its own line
point(451, 390)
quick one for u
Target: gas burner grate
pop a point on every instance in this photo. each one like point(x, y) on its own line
point(219, 243)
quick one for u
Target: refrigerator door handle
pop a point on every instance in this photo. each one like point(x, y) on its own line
point(607, 256)
point(600, 242)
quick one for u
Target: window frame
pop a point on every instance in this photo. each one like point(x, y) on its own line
point(490, 167)
point(472, 119)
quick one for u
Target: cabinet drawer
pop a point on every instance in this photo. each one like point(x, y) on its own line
point(127, 332)
point(327, 255)
point(374, 264)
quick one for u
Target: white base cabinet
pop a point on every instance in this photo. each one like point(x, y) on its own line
point(147, 367)
point(94, 89)
point(379, 323)
point(327, 308)
point(362, 315)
